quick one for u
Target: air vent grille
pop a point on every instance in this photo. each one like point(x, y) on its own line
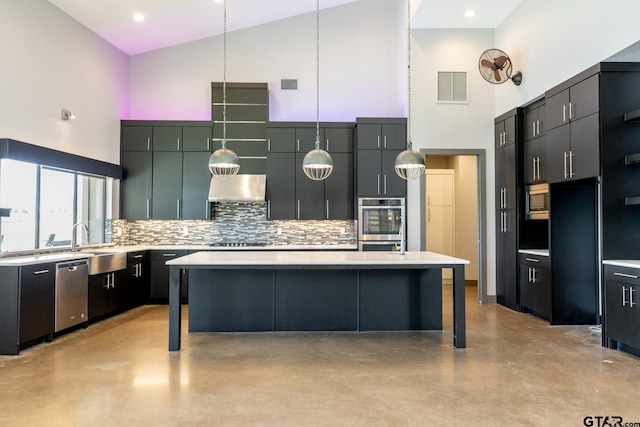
point(289, 84)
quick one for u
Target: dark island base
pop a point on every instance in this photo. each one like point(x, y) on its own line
point(314, 300)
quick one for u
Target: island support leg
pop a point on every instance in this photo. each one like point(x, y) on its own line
point(459, 326)
point(175, 309)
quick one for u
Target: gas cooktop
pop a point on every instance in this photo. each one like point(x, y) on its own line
point(237, 244)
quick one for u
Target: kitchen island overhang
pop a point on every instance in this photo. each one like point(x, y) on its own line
point(280, 283)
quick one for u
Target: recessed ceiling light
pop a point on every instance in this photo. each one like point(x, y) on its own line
point(469, 13)
point(138, 17)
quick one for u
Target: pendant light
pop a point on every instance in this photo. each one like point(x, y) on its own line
point(317, 163)
point(409, 163)
point(224, 163)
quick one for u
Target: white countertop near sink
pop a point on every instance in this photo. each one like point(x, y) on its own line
point(86, 252)
point(539, 252)
point(633, 263)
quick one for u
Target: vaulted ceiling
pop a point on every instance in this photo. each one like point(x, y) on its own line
point(172, 22)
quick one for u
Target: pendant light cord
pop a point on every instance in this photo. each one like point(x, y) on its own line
point(224, 79)
point(317, 74)
point(409, 143)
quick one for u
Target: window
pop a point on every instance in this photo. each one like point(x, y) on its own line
point(18, 193)
point(453, 87)
point(46, 204)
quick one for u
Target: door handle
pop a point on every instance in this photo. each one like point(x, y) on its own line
point(565, 165)
point(631, 291)
point(624, 296)
point(532, 259)
point(571, 163)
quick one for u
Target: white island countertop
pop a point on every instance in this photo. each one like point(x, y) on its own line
point(633, 263)
point(313, 259)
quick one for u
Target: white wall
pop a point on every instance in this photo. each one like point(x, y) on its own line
point(359, 56)
point(50, 62)
point(551, 41)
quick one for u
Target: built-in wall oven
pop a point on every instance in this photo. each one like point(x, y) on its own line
point(381, 224)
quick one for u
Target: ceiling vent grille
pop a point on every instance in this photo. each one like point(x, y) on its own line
point(289, 84)
point(453, 87)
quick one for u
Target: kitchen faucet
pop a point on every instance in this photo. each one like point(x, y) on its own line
point(74, 243)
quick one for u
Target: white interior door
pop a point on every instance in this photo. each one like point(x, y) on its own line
point(440, 230)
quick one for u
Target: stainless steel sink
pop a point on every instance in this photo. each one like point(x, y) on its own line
point(105, 262)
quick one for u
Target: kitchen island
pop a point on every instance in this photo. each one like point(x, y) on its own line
point(314, 291)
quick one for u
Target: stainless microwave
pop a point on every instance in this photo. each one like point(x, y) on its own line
point(537, 201)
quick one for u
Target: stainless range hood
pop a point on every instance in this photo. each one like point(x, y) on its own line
point(238, 188)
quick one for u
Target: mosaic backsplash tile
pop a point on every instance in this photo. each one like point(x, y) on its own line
point(234, 222)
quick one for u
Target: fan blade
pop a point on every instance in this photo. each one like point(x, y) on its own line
point(486, 63)
point(496, 75)
point(500, 61)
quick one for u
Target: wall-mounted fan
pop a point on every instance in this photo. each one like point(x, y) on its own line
point(495, 66)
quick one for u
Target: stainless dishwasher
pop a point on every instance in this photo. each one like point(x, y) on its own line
point(72, 288)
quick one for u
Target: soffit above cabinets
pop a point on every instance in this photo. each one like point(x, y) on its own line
point(173, 22)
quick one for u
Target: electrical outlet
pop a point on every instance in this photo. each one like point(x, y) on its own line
point(279, 231)
point(185, 231)
point(343, 231)
point(117, 231)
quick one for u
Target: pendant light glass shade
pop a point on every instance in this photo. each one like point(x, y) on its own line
point(317, 164)
point(224, 163)
point(409, 163)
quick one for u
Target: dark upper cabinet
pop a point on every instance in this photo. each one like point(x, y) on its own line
point(137, 169)
point(281, 186)
point(306, 139)
point(505, 131)
point(573, 150)
point(534, 122)
point(535, 160)
point(281, 140)
point(379, 141)
point(196, 138)
point(338, 140)
point(137, 138)
point(166, 200)
point(506, 184)
point(195, 185)
point(573, 103)
point(310, 201)
point(167, 138)
point(338, 188)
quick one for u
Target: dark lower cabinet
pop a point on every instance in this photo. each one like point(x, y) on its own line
point(27, 306)
point(535, 285)
point(622, 312)
point(108, 294)
point(159, 276)
point(138, 270)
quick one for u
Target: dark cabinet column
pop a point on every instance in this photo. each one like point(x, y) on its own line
point(137, 183)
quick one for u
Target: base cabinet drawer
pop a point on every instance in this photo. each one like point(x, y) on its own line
point(622, 312)
point(535, 284)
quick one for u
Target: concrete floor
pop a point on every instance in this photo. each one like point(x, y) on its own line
point(516, 371)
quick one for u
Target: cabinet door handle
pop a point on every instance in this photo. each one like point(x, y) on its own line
point(564, 113)
point(385, 183)
point(428, 214)
point(528, 274)
point(148, 143)
point(385, 141)
point(624, 296)
point(327, 144)
point(533, 125)
point(269, 209)
point(298, 208)
point(532, 259)
point(148, 208)
point(378, 183)
point(208, 144)
point(269, 144)
point(629, 276)
point(533, 275)
point(138, 256)
point(537, 127)
point(506, 222)
point(571, 163)
point(178, 144)
point(298, 144)
point(565, 165)
point(40, 272)
point(378, 147)
point(539, 160)
point(631, 291)
point(178, 209)
point(328, 209)
point(534, 168)
point(168, 255)
point(570, 110)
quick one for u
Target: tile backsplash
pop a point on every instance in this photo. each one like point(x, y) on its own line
point(234, 223)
